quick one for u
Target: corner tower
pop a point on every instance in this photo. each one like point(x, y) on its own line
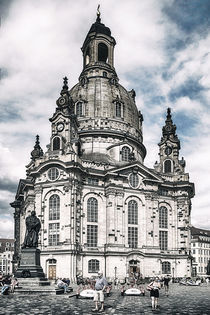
point(169, 147)
point(107, 113)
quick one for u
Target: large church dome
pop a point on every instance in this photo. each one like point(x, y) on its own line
point(106, 111)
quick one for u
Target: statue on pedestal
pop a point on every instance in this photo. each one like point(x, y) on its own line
point(33, 226)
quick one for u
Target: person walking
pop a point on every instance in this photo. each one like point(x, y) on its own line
point(100, 286)
point(154, 288)
point(166, 281)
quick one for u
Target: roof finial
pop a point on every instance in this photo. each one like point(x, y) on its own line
point(37, 151)
point(168, 113)
point(65, 85)
point(98, 14)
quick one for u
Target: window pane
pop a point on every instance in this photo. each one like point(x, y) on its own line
point(56, 143)
point(132, 212)
point(92, 235)
point(53, 173)
point(167, 166)
point(92, 210)
point(125, 153)
point(54, 207)
point(79, 109)
point(163, 217)
point(163, 240)
point(134, 180)
point(133, 237)
point(54, 229)
point(166, 267)
point(93, 265)
point(102, 52)
point(118, 110)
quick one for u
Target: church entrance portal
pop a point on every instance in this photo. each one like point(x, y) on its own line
point(51, 269)
point(134, 268)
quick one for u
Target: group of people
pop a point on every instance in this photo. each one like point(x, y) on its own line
point(8, 283)
point(154, 287)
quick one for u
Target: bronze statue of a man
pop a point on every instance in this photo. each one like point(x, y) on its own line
point(33, 226)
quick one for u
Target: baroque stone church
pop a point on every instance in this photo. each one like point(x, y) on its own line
point(100, 207)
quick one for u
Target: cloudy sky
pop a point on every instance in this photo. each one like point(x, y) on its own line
point(162, 52)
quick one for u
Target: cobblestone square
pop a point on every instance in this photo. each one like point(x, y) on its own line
point(181, 300)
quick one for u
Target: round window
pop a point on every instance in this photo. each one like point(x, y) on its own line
point(134, 180)
point(53, 173)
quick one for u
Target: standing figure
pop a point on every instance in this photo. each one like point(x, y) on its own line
point(166, 281)
point(154, 292)
point(100, 286)
point(33, 226)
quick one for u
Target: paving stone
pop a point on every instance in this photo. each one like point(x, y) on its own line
point(181, 300)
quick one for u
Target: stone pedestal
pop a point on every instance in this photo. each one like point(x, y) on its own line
point(30, 264)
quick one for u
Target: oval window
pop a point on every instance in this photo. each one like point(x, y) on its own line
point(53, 173)
point(134, 180)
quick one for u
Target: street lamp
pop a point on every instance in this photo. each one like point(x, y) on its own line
point(115, 273)
point(173, 274)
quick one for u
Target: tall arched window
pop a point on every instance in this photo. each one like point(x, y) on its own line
point(93, 265)
point(132, 212)
point(163, 217)
point(132, 222)
point(167, 166)
point(56, 143)
point(166, 267)
point(79, 109)
point(92, 210)
point(118, 109)
point(54, 207)
point(102, 52)
point(87, 56)
point(125, 153)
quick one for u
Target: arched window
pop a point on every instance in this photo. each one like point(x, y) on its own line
point(79, 109)
point(125, 153)
point(87, 56)
point(93, 265)
point(56, 143)
point(102, 52)
point(118, 108)
point(163, 218)
point(166, 267)
point(104, 74)
point(54, 207)
point(132, 212)
point(92, 210)
point(167, 166)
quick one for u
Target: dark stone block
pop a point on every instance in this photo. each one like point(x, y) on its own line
point(30, 264)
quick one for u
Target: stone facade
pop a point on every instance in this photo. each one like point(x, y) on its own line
point(200, 250)
point(6, 255)
point(100, 207)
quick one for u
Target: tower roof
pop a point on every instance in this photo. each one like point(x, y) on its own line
point(169, 130)
point(99, 27)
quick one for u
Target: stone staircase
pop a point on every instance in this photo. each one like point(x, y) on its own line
point(40, 286)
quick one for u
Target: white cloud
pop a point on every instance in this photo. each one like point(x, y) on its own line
point(40, 43)
point(7, 227)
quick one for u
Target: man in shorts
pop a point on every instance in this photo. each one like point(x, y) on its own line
point(100, 286)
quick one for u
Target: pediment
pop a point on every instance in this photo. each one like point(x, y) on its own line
point(136, 167)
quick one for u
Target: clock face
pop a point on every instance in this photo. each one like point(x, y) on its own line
point(60, 126)
point(61, 100)
point(168, 150)
point(168, 128)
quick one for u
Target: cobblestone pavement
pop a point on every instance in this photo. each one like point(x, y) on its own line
point(181, 300)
